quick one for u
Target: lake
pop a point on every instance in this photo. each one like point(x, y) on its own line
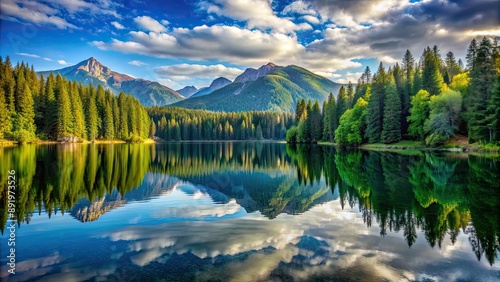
point(248, 212)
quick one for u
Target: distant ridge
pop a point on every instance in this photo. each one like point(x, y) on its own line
point(217, 84)
point(187, 91)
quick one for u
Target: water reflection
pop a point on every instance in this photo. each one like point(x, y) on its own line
point(202, 211)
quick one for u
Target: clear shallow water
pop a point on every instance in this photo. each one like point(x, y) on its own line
point(250, 212)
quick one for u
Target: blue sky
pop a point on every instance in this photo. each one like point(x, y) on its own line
point(191, 42)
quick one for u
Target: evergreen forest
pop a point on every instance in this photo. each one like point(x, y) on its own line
point(430, 100)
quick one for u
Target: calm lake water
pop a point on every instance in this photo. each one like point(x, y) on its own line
point(249, 212)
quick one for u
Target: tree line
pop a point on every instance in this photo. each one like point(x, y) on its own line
point(175, 124)
point(54, 108)
point(430, 100)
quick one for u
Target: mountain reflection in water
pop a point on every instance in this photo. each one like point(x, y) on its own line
point(249, 212)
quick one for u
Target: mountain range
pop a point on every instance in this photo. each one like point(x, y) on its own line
point(270, 87)
point(217, 84)
point(90, 71)
point(187, 91)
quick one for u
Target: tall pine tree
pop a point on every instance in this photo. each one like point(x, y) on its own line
point(391, 131)
point(375, 108)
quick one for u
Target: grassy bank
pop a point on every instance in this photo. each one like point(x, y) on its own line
point(455, 144)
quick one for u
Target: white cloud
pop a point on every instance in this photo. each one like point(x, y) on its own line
point(117, 25)
point(312, 19)
point(299, 7)
point(28, 55)
point(48, 59)
point(137, 63)
point(350, 76)
point(193, 70)
point(33, 12)
point(256, 13)
point(165, 22)
point(330, 75)
point(223, 43)
point(99, 7)
point(388, 60)
point(150, 24)
point(62, 62)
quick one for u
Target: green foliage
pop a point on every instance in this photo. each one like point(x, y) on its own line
point(432, 79)
point(391, 131)
point(419, 113)
point(352, 125)
point(291, 134)
point(444, 117)
point(460, 82)
point(5, 124)
point(316, 123)
point(24, 121)
point(174, 123)
point(62, 109)
point(482, 79)
point(375, 110)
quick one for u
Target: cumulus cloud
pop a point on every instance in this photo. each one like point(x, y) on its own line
point(30, 11)
point(99, 7)
point(380, 29)
point(117, 25)
point(299, 7)
point(150, 24)
point(256, 13)
point(137, 63)
point(224, 43)
point(350, 76)
point(54, 12)
point(190, 70)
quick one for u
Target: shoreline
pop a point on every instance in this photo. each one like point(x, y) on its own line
point(10, 143)
point(405, 146)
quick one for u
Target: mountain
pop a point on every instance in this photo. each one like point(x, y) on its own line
point(90, 71)
point(270, 87)
point(215, 85)
point(252, 74)
point(187, 91)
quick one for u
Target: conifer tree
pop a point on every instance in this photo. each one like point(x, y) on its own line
point(64, 122)
point(108, 124)
point(124, 128)
point(350, 95)
point(5, 121)
point(9, 84)
point(408, 73)
point(316, 123)
point(342, 104)
point(481, 81)
point(78, 115)
point(24, 123)
point(375, 107)
point(51, 108)
point(300, 109)
point(391, 132)
point(40, 104)
point(91, 116)
point(432, 80)
point(471, 54)
point(417, 80)
point(493, 109)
